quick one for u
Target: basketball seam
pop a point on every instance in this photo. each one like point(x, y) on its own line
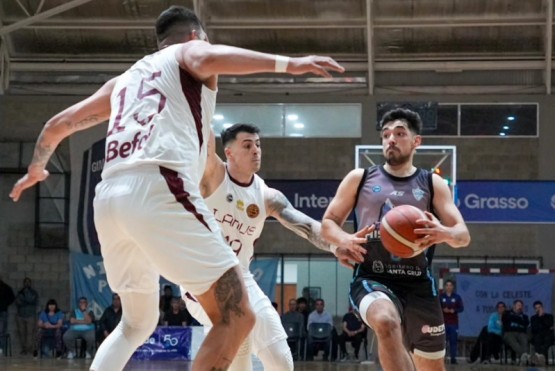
point(398, 237)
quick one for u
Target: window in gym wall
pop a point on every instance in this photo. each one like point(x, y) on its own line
point(506, 120)
point(473, 119)
point(293, 120)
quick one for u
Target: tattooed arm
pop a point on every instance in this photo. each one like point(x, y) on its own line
point(82, 115)
point(278, 206)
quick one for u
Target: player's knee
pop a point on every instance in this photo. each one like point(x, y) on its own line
point(385, 323)
point(277, 357)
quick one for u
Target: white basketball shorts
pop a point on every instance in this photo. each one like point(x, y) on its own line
point(152, 221)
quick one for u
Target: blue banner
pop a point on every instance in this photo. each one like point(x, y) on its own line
point(93, 163)
point(89, 280)
point(311, 197)
point(166, 344)
point(481, 293)
point(507, 201)
point(265, 274)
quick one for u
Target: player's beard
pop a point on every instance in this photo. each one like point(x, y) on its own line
point(396, 158)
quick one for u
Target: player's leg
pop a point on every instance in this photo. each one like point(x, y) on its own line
point(425, 332)
point(378, 311)
point(227, 306)
point(269, 337)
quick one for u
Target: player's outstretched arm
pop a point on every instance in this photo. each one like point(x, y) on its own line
point(278, 206)
point(214, 171)
point(450, 228)
point(205, 60)
point(85, 114)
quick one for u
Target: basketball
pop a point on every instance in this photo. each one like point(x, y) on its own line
point(397, 230)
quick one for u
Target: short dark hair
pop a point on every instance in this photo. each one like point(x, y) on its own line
point(537, 302)
point(302, 300)
point(51, 302)
point(500, 303)
point(230, 134)
point(413, 120)
point(449, 281)
point(169, 19)
point(83, 298)
point(319, 299)
point(518, 301)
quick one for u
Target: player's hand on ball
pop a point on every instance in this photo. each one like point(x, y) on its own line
point(350, 251)
point(432, 231)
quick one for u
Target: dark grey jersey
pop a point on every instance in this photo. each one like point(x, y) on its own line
point(378, 193)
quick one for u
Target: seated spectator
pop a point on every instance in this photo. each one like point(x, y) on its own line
point(26, 301)
point(494, 334)
point(353, 331)
point(294, 316)
point(183, 306)
point(318, 316)
point(81, 326)
point(110, 319)
point(542, 334)
point(166, 299)
point(175, 316)
point(302, 307)
point(51, 321)
point(515, 331)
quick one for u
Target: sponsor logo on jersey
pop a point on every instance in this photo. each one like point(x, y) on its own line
point(229, 197)
point(377, 266)
point(418, 193)
point(397, 193)
point(253, 211)
point(376, 189)
point(433, 330)
point(240, 205)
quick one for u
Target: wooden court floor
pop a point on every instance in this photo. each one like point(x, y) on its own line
point(30, 364)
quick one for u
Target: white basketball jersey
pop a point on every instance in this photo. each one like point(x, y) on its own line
point(240, 210)
point(160, 115)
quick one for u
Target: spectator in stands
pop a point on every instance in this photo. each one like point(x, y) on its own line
point(515, 327)
point(175, 316)
point(51, 321)
point(353, 331)
point(543, 337)
point(26, 301)
point(295, 317)
point(302, 307)
point(318, 316)
point(183, 306)
point(7, 297)
point(452, 305)
point(81, 326)
point(110, 319)
point(166, 299)
point(494, 334)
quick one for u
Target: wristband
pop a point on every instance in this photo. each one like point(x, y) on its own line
point(281, 64)
point(333, 249)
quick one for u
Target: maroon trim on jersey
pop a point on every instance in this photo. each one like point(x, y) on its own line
point(176, 186)
point(192, 89)
point(238, 182)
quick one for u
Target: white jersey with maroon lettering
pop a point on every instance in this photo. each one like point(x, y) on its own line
point(240, 210)
point(160, 115)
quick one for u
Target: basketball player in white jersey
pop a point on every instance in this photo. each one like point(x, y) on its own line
point(150, 216)
point(241, 202)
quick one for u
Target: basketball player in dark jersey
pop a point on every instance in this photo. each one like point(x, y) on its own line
point(397, 297)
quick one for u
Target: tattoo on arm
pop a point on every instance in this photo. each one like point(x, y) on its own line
point(43, 152)
point(229, 294)
point(301, 224)
point(85, 123)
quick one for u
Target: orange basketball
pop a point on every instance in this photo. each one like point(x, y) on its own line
point(397, 230)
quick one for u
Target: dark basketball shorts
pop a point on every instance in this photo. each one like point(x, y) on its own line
point(419, 309)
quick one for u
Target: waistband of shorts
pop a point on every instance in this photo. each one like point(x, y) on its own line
point(137, 169)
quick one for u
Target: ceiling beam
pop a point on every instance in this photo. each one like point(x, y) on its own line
point(261, 23)
point(370, 46)
point(41, 16)
point(548, 45)
point(415, 66)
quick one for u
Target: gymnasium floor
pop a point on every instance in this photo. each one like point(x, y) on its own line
point(29, 364)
